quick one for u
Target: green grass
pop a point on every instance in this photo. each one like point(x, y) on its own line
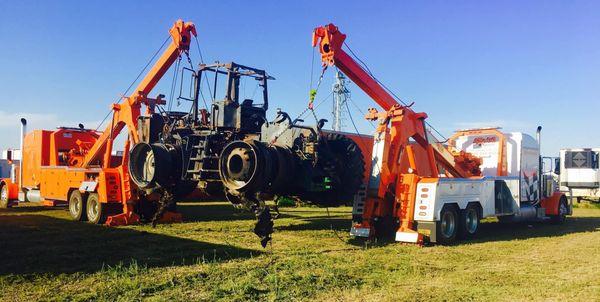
point(215, 256)
point(587, 205)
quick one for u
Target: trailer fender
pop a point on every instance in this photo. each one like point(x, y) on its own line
point(551, 203)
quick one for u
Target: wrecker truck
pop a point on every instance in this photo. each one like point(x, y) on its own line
point(423, 190)
point(77, 166)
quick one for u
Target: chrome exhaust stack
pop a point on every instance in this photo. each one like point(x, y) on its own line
point(22, 194)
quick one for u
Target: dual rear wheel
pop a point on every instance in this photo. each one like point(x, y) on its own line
point(88, 207)
point(457, 224)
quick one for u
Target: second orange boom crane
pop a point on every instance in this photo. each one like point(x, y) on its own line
point(398, 163)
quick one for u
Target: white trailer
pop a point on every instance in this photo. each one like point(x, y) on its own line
point(579, 172)
point(447, 208)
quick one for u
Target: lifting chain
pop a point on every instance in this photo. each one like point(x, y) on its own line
point(189, 60)
point(310, 107)
point(313, 92)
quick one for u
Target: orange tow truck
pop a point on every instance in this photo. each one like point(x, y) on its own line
point(421, 189)
point(77, 166)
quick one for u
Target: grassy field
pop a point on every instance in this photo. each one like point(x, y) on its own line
point(215, 256)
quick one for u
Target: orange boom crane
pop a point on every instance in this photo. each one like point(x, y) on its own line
point(403, 153)
point(77, 165)
point(127, 114)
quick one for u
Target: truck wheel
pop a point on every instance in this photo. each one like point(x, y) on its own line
point(347, 164)
point(4, 201)
point(77, 206)
point(447, 226)
point(562, 212)
point(96, 211)
point(469, 222)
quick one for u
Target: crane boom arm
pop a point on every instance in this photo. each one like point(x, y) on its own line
point(398, 163)
point(330, 41)
point(127, 112)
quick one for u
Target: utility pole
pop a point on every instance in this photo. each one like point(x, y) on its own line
point(341, 94)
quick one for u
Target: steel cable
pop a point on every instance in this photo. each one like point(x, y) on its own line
point(136, 79)
point(366, 68)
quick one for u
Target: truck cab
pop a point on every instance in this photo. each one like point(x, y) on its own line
point(9, 172)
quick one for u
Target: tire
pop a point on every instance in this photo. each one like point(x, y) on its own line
point(347, 165)
point(469, 222)
point(77, 206)
point(4, 200)
point(563, 208)
point(447, 226)
point(96, 211)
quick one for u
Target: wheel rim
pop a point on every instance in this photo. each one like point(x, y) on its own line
point(4, 194)
point(562, 209)
point(471, 222)
point(75, 206)
point(93, 209)
point(448, 224)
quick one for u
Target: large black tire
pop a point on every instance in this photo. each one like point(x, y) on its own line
point(347, 163)
point(563, 209)
point(447, 226)
point(77, 206)
point(469, 222)
point(96, 211)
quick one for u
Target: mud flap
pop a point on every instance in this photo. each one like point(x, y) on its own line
point(428, 229)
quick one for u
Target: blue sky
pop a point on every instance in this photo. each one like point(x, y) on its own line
point(513, 64)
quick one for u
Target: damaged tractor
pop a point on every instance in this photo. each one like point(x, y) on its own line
point(229, 146)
